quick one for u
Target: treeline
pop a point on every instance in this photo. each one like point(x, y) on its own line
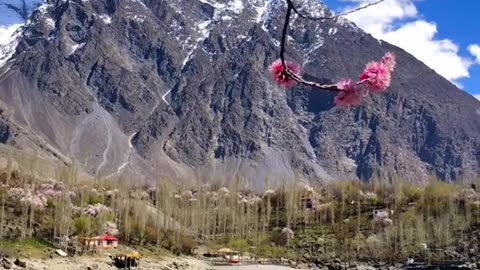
point(345, 219)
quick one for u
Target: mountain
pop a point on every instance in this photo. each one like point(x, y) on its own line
point(151, 89)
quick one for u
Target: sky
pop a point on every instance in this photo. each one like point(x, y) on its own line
point(443, 34)
point(10, 21)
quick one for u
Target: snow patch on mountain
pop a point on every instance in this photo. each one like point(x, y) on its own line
point(203, 27)
point(8, 42)
point(75, 47)
point(260, 11)
point(269, 15)
point(139, 2)
point(313, 8)
point(13, 15)
point(332, 31)
point(213, 3)
point(106, 19)
point(132, 11)
point(236, 6)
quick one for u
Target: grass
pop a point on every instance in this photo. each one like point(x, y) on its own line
point(29, 248)
point(149, 251)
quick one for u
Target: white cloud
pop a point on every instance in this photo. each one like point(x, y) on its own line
point(477, 96)
point(398, 22)
point(458, 85)
point(474, 49)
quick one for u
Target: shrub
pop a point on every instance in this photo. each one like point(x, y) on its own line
point(238, 244)
point(82, 226)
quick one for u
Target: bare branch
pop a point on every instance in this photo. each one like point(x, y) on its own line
point(292, 75)
point(305, 16)
point(295, 77)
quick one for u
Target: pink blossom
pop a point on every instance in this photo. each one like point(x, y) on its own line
point(280, 75)
point(110, 228)
point(389, 61)
point(377, 76)
point(37, 201)
point(254, 200)
point(49, 193)
point(16, 194)
point(94, 210)
point(349, 95)
point(243, 201)
point(222, 191)
point(139, 194)
point(51, 190)
point(46, 186)
point(268, 192)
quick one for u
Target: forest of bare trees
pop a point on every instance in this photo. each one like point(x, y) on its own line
point(346, 219)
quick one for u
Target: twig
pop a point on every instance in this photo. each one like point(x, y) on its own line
point(292, 75)
point(331, 17)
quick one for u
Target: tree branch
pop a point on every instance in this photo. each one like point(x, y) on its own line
point(294, 76)
point(305, 16)
point(291, 7)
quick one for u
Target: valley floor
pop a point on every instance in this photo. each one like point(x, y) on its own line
point(253, 267)
point(103, 263)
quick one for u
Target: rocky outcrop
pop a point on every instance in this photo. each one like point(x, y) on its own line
point(6, 135)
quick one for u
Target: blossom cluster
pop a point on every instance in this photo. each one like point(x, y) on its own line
point(111, 193)
point(382, 217)
point(110, 228)
point(38, 198)
point(214, 196)
point(139, 195)
point(52, 189)
point(280, 74)
point(95, 210)
point(249, 199)
point(375, 78)
point(26, 196)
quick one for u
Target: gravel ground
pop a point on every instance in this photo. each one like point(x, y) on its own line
point(252, 267)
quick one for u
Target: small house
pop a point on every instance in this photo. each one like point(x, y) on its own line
point(104, 241)
point(108, 241)
point(231, 255)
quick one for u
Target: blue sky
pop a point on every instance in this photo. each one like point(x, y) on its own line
point(444, 34)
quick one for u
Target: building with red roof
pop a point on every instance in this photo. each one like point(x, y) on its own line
point(104, 241)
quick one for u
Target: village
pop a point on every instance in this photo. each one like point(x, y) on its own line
point(294, 224)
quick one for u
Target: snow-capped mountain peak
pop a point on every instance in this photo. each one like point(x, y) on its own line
point(13, 15)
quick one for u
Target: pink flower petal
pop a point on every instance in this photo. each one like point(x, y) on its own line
point(279, 74)
point(350, 94)
point(377, 76)
point(389, 61)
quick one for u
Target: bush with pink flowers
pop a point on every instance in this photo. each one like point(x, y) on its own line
point(95, 210)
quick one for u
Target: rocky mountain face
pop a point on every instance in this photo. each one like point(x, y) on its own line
point(180, 90)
